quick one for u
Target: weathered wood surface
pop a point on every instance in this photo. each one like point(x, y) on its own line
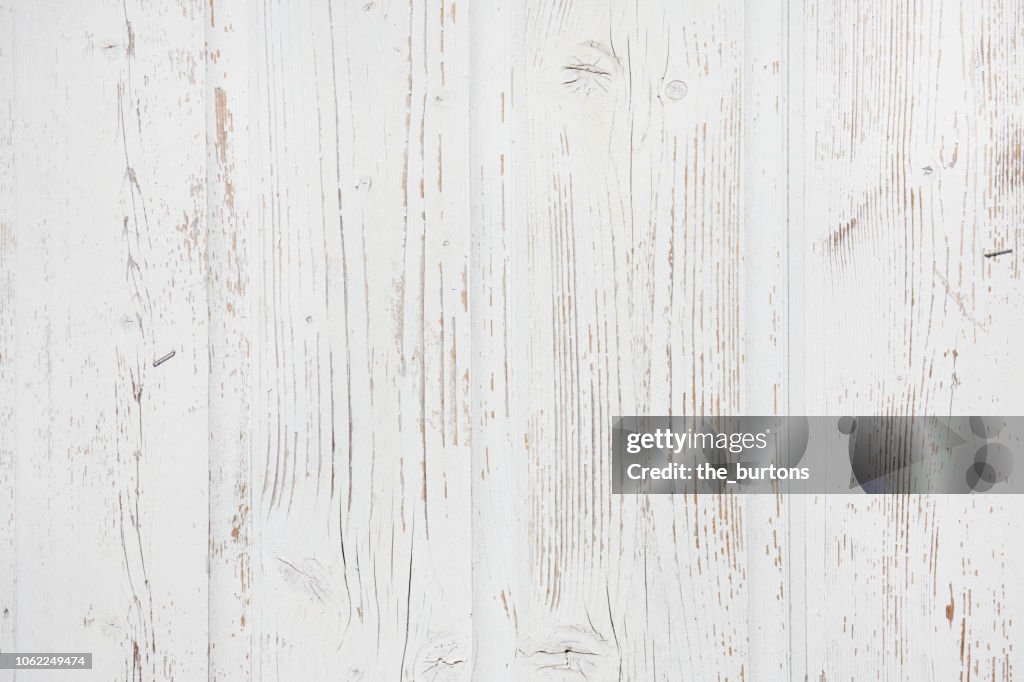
point(413, 258)
point(105, 455)
point(909, 141)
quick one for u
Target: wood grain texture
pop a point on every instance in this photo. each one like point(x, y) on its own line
point(412, 259)
point(109, 451)
point(621, 292)
point(361, 509)
point(768, 320)
point(229, 210)
point(911, 167)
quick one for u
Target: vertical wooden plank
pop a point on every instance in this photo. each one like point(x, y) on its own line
point(765, 315)
point(496, 498)
point(301, 590)
point(678, 338)
point(801, 537)
point(108, 270)
point(912, 154)
point(8, 580)
point(361, 517)
point(624, 285)
point(228, 32)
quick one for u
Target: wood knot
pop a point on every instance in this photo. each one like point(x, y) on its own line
point(578, 651)
point(591, 67)
point(443, 659)
point(310, 578)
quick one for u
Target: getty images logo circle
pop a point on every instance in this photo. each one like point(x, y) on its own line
point(928, 454)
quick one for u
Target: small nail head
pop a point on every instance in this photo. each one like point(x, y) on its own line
point(675, 89)
point(157, 363)
point(998, 253)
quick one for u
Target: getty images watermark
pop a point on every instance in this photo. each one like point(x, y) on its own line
point(854, 455)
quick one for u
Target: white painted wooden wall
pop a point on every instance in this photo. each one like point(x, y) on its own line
point(412, 258)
